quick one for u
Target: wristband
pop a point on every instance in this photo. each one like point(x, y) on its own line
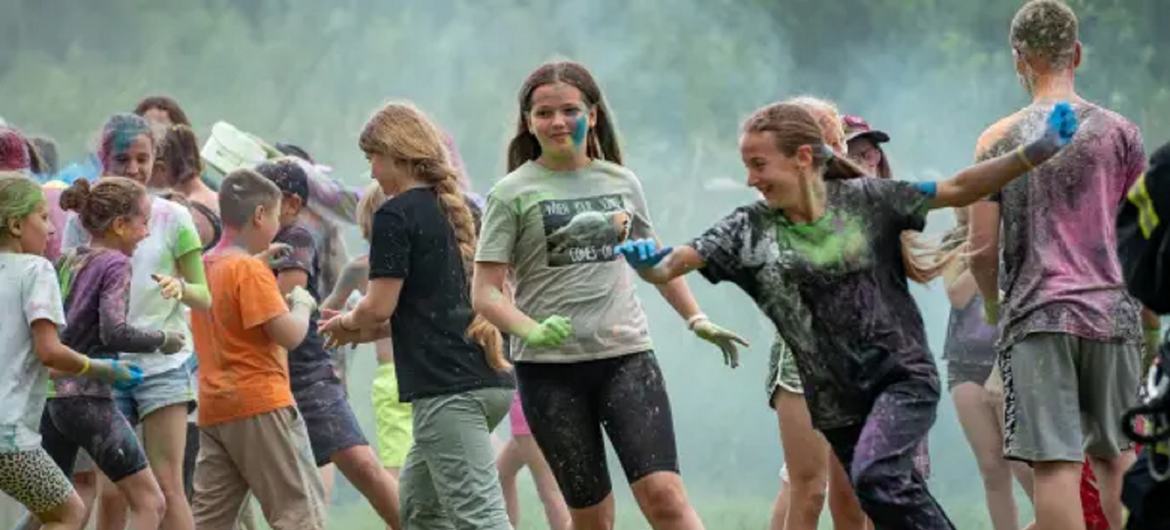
point(84, 368)
point(1023, 158)
point(694, 319)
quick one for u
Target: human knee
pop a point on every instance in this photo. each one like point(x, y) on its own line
point(148, 500)
point(996, 472)
point(665, 501)
point(596, 517)
point(70, 513)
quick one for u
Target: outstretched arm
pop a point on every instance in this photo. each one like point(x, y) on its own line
point(660, 266)
point(987, 177)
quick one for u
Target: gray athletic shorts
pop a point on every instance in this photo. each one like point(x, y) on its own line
point(1064, 397)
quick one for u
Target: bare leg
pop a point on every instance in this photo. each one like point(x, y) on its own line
point(780, 507)
point(844, 507)
point(596, 517)
point(555, 509)
point(70, 515)
point(112, 506)
point(509, 462)
point(164, 432)
point(806, 454)
point(978, 417)
point(663, 501)
point(361, 467)
point(1057, 496)
point(146, 500)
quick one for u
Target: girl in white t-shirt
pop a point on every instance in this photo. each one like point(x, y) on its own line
point(29, 347)
point(172, 251)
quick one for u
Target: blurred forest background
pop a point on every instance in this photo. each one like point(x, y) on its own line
point(679, 74)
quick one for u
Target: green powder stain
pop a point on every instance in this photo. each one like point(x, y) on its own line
point(831, 240)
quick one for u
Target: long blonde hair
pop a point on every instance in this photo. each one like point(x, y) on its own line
point(406, 135)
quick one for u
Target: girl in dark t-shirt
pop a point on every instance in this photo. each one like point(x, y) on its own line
point(449, 361)
point(816, 256)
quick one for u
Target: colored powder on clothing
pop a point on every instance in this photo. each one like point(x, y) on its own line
point(831, 239)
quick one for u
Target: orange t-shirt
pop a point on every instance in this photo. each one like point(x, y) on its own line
point(242, 372)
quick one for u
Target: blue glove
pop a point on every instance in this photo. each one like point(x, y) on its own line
point(642, 253)
point(121, 374)
point(1062, 124)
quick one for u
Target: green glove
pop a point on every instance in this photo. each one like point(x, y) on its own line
point(550, 333)
point(991, 312)
point(721, 337)
point(1153, 341)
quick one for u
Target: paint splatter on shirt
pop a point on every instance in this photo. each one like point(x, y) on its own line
point(309, 362)
point(96, 286)
point(1059, 269)
point(835, 288)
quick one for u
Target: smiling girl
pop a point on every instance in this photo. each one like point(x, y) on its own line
point(820, 255)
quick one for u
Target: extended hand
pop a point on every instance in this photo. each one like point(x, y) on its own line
point(275, 251)
point(299, 296)
point(170, 286)
point(1062, 124)
point(173, 341)
point(550, 333)
point(991, 312)
point(725, 339)
point(123, 375)
point(642, 253)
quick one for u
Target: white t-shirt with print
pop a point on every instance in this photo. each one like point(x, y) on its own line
point(29, 292)
point(172, 235)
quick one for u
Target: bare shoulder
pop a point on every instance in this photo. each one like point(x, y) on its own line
point(996, 133)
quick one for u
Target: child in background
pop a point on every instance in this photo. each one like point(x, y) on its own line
point(95, 281)
point(333, 429)
point(391, 416)
point(29, 347)
point(252, 437)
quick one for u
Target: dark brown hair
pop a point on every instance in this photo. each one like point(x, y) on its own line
point(166, 104)
point(178, 152)
point(97, 206)
point(602, 141)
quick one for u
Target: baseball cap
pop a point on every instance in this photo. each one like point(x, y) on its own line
point(856, 127)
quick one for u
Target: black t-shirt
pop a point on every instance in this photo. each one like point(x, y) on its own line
point(835, 289)
point(309, 362)
point(412, 240)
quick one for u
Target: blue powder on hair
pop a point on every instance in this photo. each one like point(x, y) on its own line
point(121, 131)
point(581, 128)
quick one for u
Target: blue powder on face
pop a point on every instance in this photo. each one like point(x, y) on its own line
point(580, 130)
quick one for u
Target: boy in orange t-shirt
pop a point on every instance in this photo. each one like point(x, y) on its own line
point(251, 435)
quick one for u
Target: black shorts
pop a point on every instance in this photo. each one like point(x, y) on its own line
point(567, 405)
point(329, 419)
point(96, 426)
point(960, 372)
